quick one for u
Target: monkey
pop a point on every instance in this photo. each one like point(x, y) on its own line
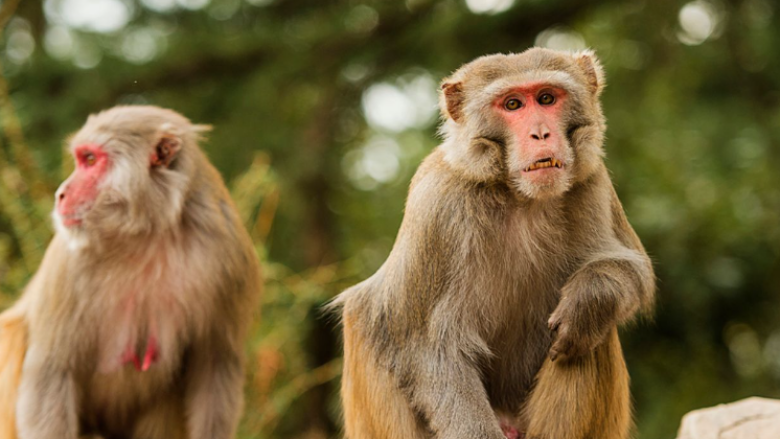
point(496, 312)
point(134, 324)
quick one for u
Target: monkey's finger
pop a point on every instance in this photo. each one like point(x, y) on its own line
point(558, 356)
point(554, 322)
point(560, 348)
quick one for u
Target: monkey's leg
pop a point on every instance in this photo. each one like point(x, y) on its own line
point(437, 393)
point(584, 398)
point(162, 420)
point(374, 407)
point(214, 394)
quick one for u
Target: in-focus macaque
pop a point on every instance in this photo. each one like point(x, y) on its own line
point(495, 315)
point(135, 322)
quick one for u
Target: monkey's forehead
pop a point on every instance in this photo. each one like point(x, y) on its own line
point(138, 116)
point(490, 68)
point(128, 123)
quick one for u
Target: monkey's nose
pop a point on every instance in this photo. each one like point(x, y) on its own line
point(540, 132)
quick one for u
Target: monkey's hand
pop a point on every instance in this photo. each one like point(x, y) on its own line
point(605, 292)
point(581, 321)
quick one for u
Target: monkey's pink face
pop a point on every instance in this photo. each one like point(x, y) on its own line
point(76, 195)
point(540, 153)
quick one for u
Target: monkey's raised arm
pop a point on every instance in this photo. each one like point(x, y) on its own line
point(614, 283)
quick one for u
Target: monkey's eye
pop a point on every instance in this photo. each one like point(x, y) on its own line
point(89, 159)
point(513, 104)
point(546, 99)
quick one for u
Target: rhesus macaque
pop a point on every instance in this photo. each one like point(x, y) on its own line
point(135, 322)
point(495, 315)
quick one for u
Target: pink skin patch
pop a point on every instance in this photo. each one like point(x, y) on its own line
point(511, 432)
point(151, 355)
point(79, 191)
point(509, 428)
point(536, 127)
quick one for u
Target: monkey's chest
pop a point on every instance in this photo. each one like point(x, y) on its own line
point(517, 297)
point(140, 333)
point(139, 350)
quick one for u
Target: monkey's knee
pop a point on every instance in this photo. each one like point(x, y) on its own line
point(585, 398)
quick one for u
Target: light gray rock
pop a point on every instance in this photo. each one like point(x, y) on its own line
point(751, 418)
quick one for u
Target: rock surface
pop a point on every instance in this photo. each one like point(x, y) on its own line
point(751, 418)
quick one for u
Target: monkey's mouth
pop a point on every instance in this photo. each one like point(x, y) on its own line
point(547, 162)
point(69, 221)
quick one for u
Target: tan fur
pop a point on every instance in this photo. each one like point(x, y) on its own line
point(563, 404)
point(13, 342)
point(362, 384)
point(161, 253)
point(499, 303)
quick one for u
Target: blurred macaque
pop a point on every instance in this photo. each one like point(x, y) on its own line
point(134, 324)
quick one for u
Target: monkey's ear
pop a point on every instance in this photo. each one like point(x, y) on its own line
point(452, 102)
point(591, 67)
point(200, 128)
point(168, 145)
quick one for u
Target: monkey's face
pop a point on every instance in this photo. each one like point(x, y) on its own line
point(532, 120)
point(538, 153)
point(76, 195)
point(126, 180)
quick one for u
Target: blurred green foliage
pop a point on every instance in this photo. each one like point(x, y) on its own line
point(323, 109)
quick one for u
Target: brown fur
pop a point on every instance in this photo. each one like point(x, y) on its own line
point(499, 303)
point(162, 251)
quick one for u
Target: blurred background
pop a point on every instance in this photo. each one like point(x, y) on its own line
point(323, 110)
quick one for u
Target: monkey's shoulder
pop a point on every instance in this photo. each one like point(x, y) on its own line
point(439, 188)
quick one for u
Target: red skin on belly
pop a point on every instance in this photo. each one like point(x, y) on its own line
point(511, 432)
